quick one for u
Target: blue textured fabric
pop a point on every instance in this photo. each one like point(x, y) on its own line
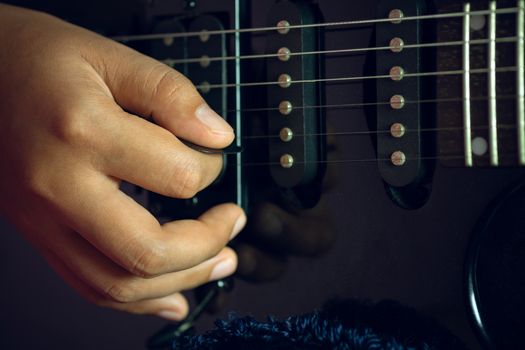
point(344, 325)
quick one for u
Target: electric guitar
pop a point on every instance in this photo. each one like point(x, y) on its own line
point(390, 135)
point(417, 107)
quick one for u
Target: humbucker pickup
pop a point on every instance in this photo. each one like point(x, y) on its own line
point(194, 56)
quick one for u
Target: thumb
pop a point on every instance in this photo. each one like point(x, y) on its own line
point(148, 88)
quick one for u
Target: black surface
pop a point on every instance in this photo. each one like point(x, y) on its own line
point(495, 269)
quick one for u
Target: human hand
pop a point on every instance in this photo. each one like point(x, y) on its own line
point(76, 118)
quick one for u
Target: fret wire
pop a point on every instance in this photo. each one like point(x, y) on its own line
point(467, 133)
point(520, 80)
point(492, 103)
point(369, 104)
point(173, 62)
point(128, 38)
point(368, 132)
point(365, 77)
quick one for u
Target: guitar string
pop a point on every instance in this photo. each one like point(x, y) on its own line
point(371, 161)
point(361, 22)
point(206, 87)
point(142, 37)
point(368, 132)
point(368, 104)
point(173, 62)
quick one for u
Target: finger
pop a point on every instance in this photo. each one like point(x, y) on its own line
point(130, 236)
point(146, 155)
point(116, 284)
point(173, 307)
point(257, 265)
point(149, 88)
point(308, 233)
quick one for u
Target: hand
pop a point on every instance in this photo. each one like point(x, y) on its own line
point(76, 118)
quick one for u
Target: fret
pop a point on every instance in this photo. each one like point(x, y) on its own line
point(467, 132)
point(492, 102)
point(520, 81)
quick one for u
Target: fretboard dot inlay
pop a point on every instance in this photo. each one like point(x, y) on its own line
point(480, 146)
point(478, 22)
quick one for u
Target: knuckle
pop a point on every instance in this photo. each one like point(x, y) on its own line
point(169, 83)
point(72, 128)
point(185, 181)
point(149, 262)
point(122, 292)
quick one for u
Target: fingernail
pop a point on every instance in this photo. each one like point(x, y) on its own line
point(212, 120)
point(238, 226)
point(170, 315)
point(222, 269)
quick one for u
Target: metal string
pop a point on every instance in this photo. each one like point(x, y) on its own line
point(369, 161)
point(336, 24)
point(369, 104)
point(128, 38)
point(368, 132)
point(206, 87)
point(172, 62)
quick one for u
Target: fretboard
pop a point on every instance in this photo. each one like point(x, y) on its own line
point(480, 113)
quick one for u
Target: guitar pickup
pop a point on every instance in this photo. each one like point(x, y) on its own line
point(399, 112)
point(296, 153)
point(192, 55)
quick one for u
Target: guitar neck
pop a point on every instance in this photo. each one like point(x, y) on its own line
point(480, 111)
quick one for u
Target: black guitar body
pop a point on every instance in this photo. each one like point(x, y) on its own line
point(408, 244)
point(424, 242)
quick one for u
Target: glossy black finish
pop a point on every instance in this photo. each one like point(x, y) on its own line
point(494, 272)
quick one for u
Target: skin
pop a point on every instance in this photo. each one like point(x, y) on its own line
point(80, 113)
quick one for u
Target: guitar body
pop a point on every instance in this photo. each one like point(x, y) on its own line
point(383, 248)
